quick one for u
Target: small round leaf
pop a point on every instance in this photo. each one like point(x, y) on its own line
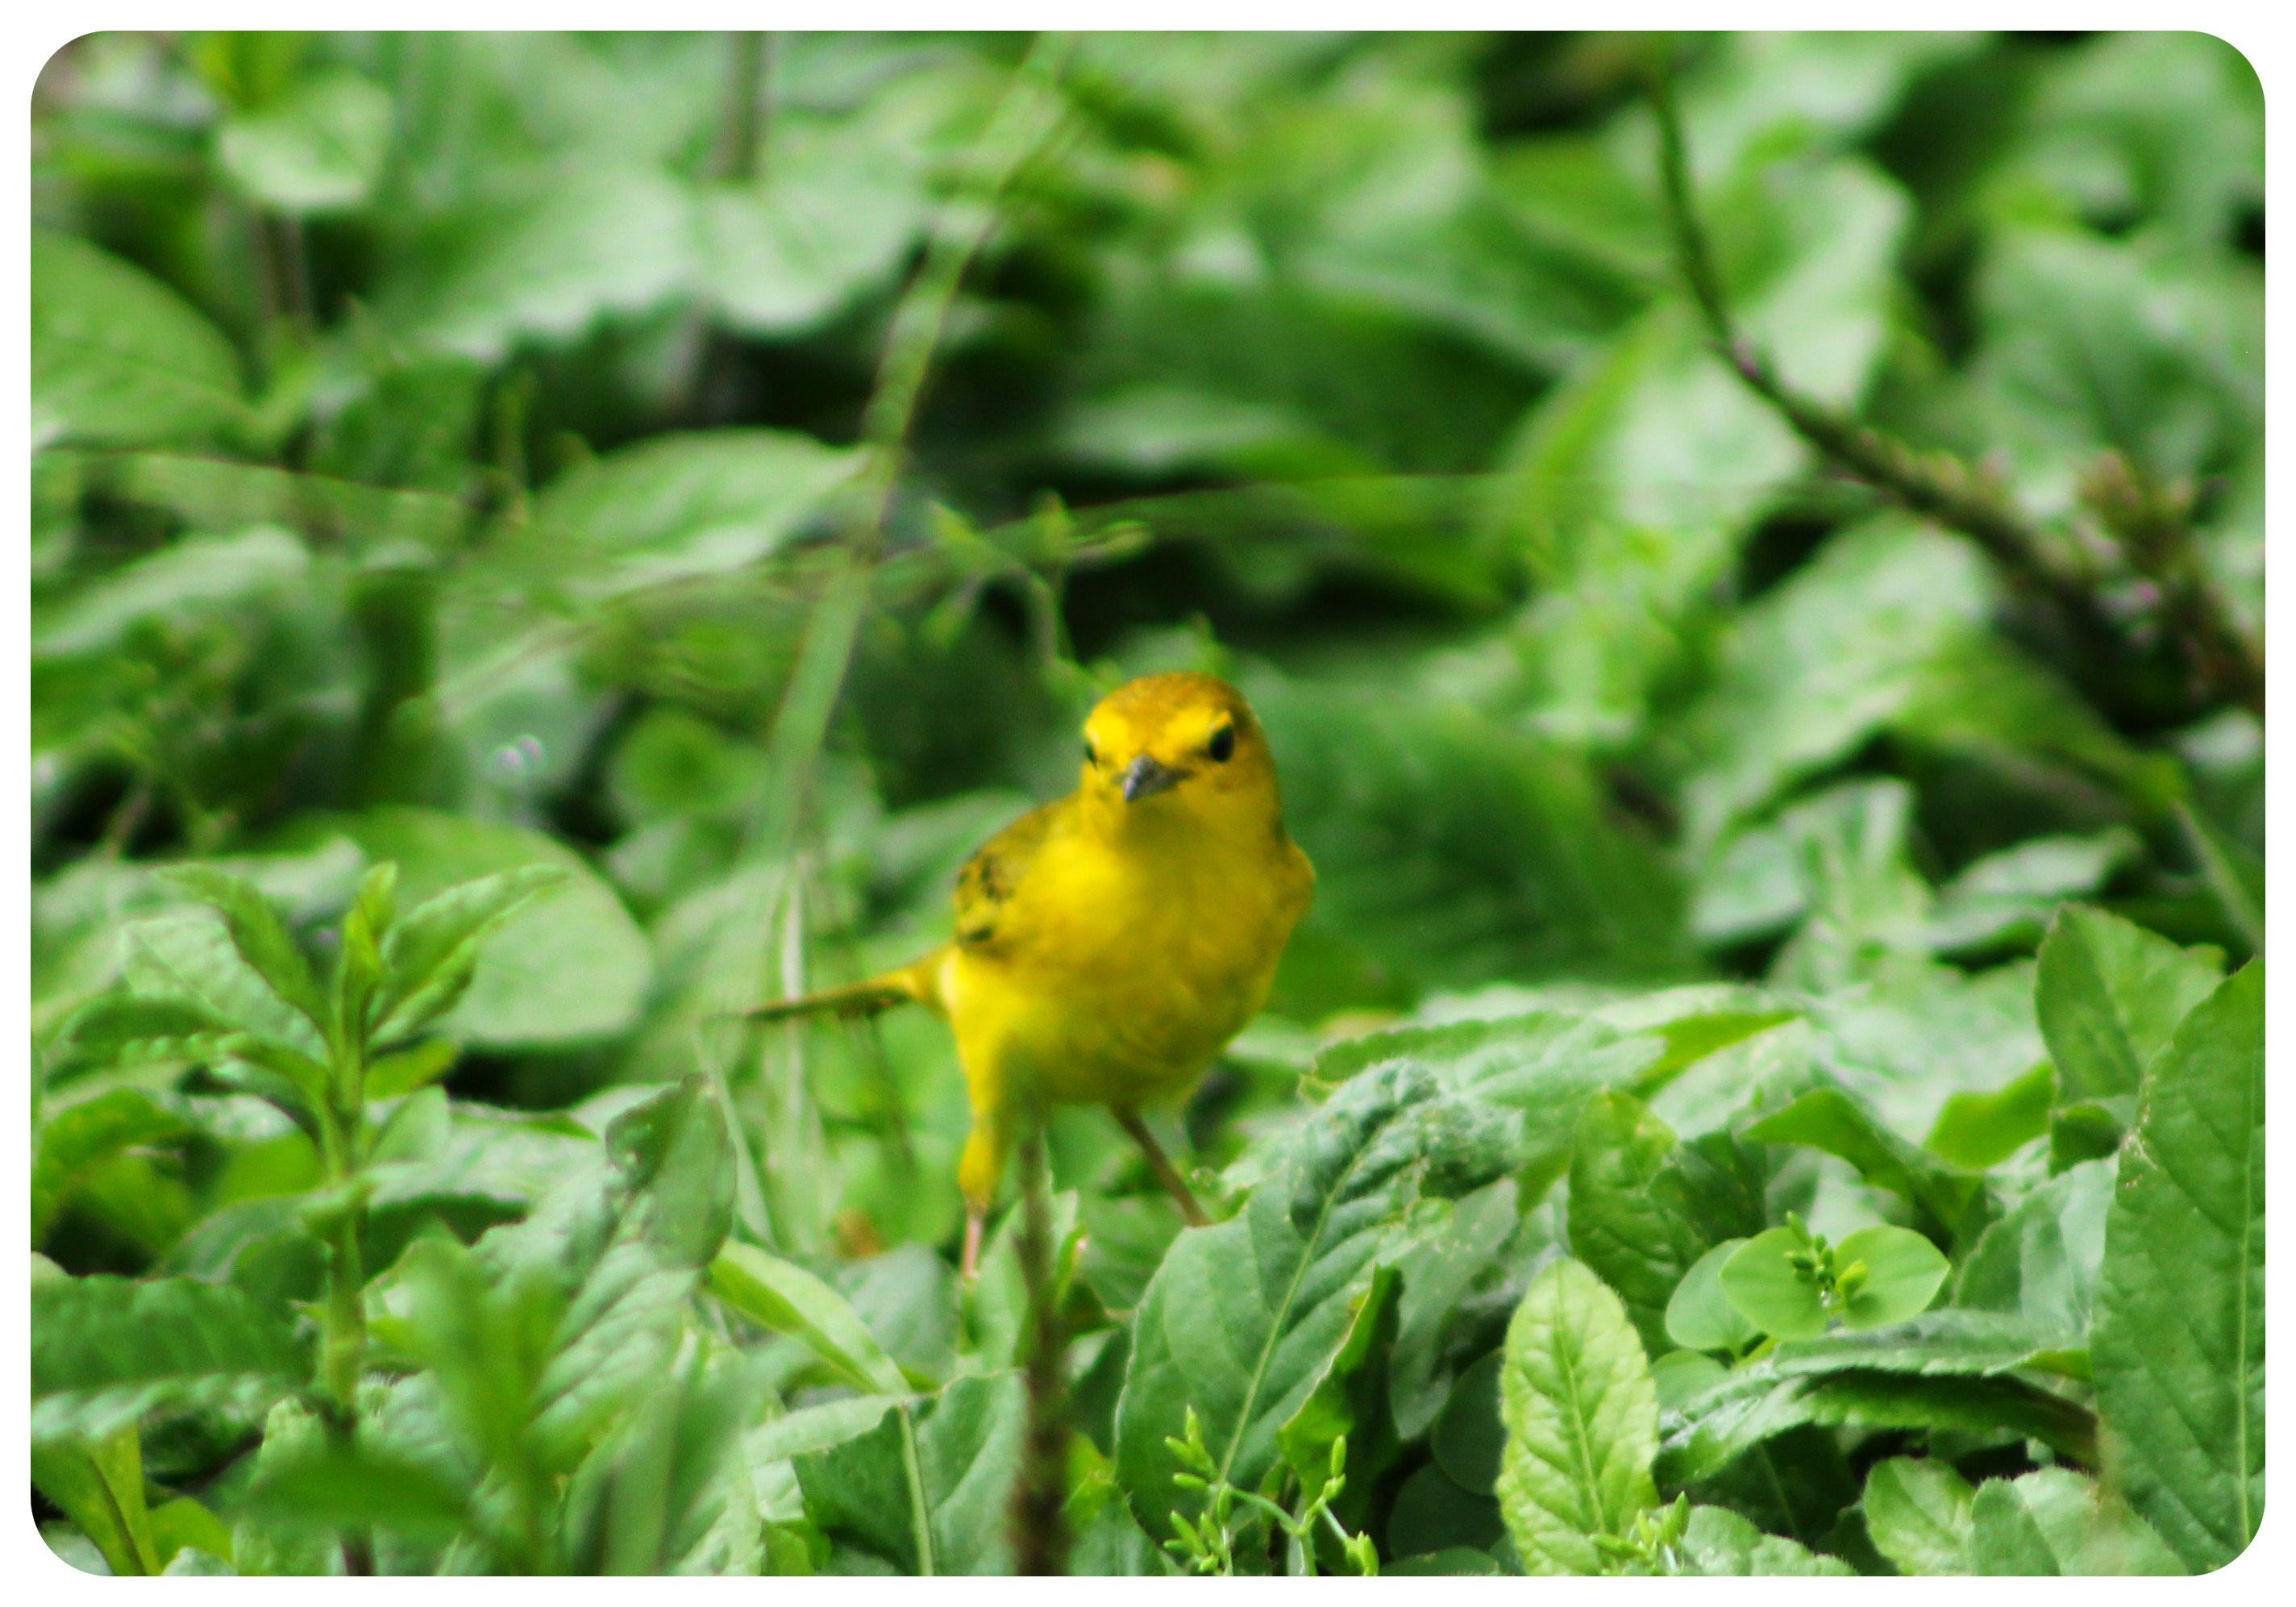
point(1903, 1273)
point(1763, 1284)
point(1700, 1316)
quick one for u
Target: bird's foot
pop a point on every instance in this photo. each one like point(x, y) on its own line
point(970, 1267)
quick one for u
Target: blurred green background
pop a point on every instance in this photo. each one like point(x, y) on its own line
point(448, 447)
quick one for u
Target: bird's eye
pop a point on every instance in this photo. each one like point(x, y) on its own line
point(1091, 753)
point(1222, 747)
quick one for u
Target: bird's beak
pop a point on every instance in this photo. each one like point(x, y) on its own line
point(1144, 777)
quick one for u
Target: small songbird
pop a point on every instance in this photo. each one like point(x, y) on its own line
point(1109, 943)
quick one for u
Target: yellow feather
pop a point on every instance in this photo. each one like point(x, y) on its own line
point(1110, 943)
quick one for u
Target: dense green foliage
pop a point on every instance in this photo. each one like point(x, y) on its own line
point(540, 541)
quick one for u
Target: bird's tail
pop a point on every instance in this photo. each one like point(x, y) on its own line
point(911, 984)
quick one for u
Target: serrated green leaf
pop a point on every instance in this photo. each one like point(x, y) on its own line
point(2177, 1341)
point(1720, 1544)
point(1245, 1356)
point(106, 1350)
point(2043, 1259)
point(1582, 1418)
point(1833, 1121)
point(784, 1298)
point(2055, 1521)
point(2109, 994)
point(98, 1482)
point(1917, 1512)
point(967, 1449)
point(1624, 1229)
point(79, 1135)
point(258, 934)
point(119, 359)
point(433, 951)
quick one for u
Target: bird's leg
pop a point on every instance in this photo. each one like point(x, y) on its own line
point(971, 1266)
point(1160, 1164)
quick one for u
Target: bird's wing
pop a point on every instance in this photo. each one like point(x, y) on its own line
point(986, 884)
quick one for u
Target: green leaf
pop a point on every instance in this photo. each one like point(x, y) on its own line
point(1700, 1315)
point(190, 578)
point(2043, 1259)
point(432, 954)
point(1833, 1121)
point(318, 149)
point(1245, 1354)
point(600, 239)
point(1449, 851)
point(79, 1136)
point(260, 936)
point(1829, 658)
point(832, 217)
point(2130, 344)
point(324, 1488)
point(1711, 1431)
point(1349, 1402)
point(106, 1350)
point(1622, 1227)
point(1918, 1512)
point(119, 359)
point(2235, 873)
point(2178, 1344)
point(1720, 1544)
point(784, 1298)
point(1764, 1286)
point(567, 965)
point(1975, 1131)
point(189, 959)
point(944, 1512)
point(2055, 1521)
point(1469, 1440)
point(98, 1482)
point(1903, 1273)
point(677, 507)
point(671, 1493)
point(1582, 1423)
point(2109, 994)
point(409, 1070)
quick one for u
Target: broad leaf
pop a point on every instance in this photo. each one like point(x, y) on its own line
point(2055, 1521)
point(1582, 1423)
point(106, 1350)
point(318, 149)
point(1720, 1544)
point(1246, 1351)
point(2178, 1345)
point(260, 936)
point(119, 359)
point(1631, 1235)
point(78, 1136)
point(928, 1493)
point(2109, 994)
point(1917, 1512)
point(784, 1298)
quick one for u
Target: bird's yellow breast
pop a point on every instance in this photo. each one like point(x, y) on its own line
point(1130, 960)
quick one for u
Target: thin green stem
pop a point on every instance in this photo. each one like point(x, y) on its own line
point(1040, 1532)
point(920, 1513)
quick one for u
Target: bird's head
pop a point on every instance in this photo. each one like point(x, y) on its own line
point(1169, 746)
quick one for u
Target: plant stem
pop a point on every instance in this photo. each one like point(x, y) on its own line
point(1040, 1532)
point(344, 1327)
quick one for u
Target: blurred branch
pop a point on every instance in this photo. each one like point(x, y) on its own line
point(741, 123)
point(2150, 524)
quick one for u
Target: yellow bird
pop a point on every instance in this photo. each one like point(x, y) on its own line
point(1109, 943)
